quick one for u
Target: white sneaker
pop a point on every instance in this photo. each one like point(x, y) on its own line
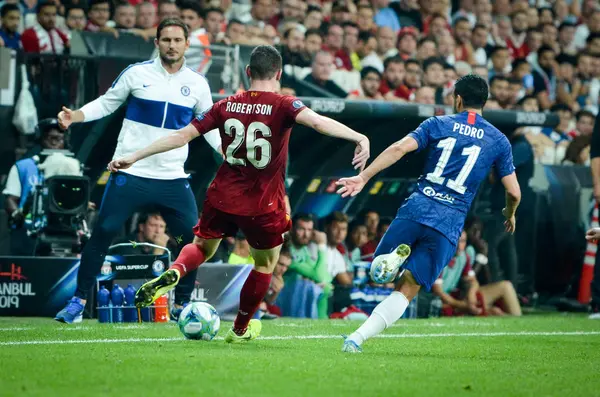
point(385, 268)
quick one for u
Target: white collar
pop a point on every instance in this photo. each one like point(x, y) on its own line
point(161, 69)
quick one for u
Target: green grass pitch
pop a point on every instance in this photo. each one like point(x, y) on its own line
point(552, 355)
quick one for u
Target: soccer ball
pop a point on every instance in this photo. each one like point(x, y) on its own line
point(199, 320)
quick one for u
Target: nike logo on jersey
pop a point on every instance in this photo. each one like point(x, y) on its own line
point(147, 85)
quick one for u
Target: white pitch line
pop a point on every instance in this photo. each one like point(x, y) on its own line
point(304, 337)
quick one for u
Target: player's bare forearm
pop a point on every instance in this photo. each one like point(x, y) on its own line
point(326, 126)
point(595, 166)
point(390, 156)
point(175, 140)
point(513, 194)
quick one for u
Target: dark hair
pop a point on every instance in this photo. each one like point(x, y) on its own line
point(313, 8)
point(561, 107)
point(479, 26)
point(517, 12)
point(165, 23)
point(6, 8)
point(576, 147)
point(542, 9)
point(235, 21)
point(312, 31)
point(425, 40)
point(119, 5)
point(566, 24)
point(349, 24)
point(591, 37)
point(432, 61)
point(518, 62)
point(383, 221)
point(394, 59)
point(414, 61)
point(583, 113)
point(369, 69)
point(265, 62)
point(461, 19)
point(545, 48)
point(302, 216)
point(42, 4)
point(336, 216)
point(286, 34)
point(566, 58)
point(498, 77)
point(75, 7)
point(364, 36)
point(526, 98)
point(447, 66)
point(328, 28)
point(191, 5)
point(92, 3)
point(473, 90)
point(496, 49)
point(145, 216)
point(212, 9)
point(514, 80)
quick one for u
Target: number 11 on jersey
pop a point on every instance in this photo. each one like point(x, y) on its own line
point(457, 184)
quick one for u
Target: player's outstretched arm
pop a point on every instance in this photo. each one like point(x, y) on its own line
point(353, 186)
point(175, 140)
point(326, 126)
point(513, 198)
point(101, 107)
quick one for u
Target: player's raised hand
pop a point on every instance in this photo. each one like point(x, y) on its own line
point(120, 164)
point(361, 154)
point(510, 224)
point(593, 234)
point(65, 117)
point(351, 186)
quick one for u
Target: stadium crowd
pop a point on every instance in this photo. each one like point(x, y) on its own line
point(537, 55)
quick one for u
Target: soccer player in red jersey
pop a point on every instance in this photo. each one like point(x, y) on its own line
point(248, 190)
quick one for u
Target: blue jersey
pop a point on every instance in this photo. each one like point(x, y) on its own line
point(462, 150)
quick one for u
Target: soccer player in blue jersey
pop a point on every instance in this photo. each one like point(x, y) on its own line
point(423, 237)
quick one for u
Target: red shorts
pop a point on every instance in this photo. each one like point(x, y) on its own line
point(262, 231)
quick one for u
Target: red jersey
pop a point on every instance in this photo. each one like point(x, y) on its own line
point(255, 131)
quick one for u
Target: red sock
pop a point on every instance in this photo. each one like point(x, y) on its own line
point(190, 258)
point(253, 292)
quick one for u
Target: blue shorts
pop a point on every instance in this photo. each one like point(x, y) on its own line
point(431, 251)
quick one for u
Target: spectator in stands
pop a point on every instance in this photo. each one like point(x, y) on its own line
point(322, 67)
point(293, 48)
point(334, 42)
point(578, 151)
point(493, 299)
point(146, 15)
point(385, 16)
point(433, 76)
point(309, 259)
point(261, 11)
point(438, 26)
point(499, 90)
point(584, 125)
point(407, 42)
point(340, 12)
point(166, 10)
point(534, 43)
point(462, 36)
point(314, 17)
point(364, 19)
point(312, 42)
point(517, 43)
point(425, 95)
point(392, 84)
point(350, 43)
point(566, 38)
point(592, 43)
point(479, 42)
point(474, 230)
point(370, 79)
point(75, 18)
point(151, 228)
point(446, 48)
point(365, 51)
point(213, 21)
point(99, 15)
point(500, 61)
point(10, 16)
point(568, 87)
point(544, 77)
point(44, 37)
point(426, 48)
point(521, 70)
point(291, 11)
point(590, 26)
point(412, 77)
point(241, 254)
point(336, 226)
point(550, 37)
point(198, 55)
point(277, 284)
point(124, 16)
point(357, 238)
point(234, 34)
point(462, 69)
point(386, 43)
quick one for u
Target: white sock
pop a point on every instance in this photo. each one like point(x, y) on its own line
point(385, 314)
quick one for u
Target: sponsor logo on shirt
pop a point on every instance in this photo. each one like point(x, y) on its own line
point(430, 192)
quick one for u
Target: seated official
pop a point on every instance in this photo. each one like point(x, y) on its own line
point(152, 229)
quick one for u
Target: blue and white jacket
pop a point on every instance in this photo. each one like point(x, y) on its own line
point(159, 103)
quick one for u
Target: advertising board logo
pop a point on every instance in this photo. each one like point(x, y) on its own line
point(13, 286)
